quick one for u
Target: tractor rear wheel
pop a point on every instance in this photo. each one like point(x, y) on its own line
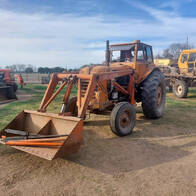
point(153, 95)
point(180, 88)
point(122, 119)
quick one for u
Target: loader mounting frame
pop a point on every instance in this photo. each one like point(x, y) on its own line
point(94, 80)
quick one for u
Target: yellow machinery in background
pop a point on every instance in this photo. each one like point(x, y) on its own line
point(162, 62)
point(179, 75)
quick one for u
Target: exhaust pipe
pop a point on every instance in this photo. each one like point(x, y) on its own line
point(107, 54)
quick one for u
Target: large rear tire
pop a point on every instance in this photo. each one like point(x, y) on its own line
point(180, 89)
point(122, 119)
point(153, 95)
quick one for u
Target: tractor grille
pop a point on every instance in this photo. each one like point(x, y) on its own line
point(84, 86)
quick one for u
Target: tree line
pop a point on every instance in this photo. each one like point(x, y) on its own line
point(174, 50)
point(22, 68)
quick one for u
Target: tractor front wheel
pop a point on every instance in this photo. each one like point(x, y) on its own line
point(180, 89)
point(122, 119)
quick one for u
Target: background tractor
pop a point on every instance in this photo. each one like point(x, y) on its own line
point(186, 73)
point(8, 86)
point(182, 75)
point(128, 76)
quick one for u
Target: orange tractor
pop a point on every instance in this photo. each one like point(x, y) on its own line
point(8, 86)
point(128, 76)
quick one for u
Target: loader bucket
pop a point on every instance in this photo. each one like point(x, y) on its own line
point(48, 124)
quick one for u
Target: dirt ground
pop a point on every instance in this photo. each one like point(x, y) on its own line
point(159, 158)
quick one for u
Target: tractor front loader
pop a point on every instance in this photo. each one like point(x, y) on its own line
point(120, 83)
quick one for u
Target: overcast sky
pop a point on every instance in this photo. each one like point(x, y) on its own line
point(73, 32)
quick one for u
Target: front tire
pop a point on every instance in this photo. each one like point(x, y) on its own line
point(180, 88)
point(153, 95)
point(122, 119)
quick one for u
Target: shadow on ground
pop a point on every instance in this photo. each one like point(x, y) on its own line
point(109, 153)
point(125, 154)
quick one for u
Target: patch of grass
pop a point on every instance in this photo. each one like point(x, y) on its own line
point(182, 104)
point(192, 90)
point(37, 87)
